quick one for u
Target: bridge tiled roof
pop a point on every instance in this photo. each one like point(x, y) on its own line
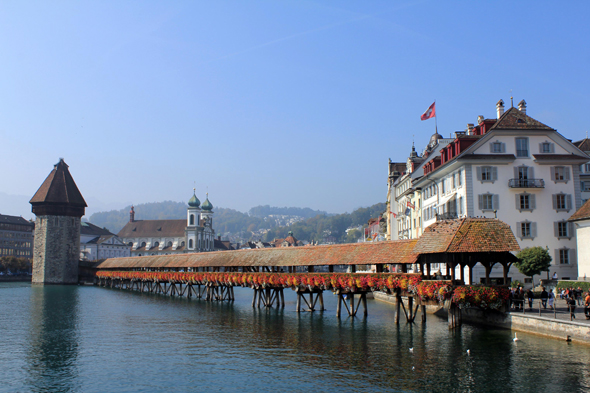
point(467, 235)
point(400, 251)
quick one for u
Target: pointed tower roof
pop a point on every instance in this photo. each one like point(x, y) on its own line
point(59, 195)
point(514, 119)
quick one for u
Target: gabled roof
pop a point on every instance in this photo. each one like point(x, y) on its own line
point(583, 145)
point(59, 188)
point(154, 228)
point(514, 119)
point(467, 235)
point(4, 219)
point(583, 213)
point(87, 228)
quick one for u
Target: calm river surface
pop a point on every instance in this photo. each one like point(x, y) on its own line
point(90, 339)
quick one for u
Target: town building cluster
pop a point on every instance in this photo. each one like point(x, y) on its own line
point(511, 167)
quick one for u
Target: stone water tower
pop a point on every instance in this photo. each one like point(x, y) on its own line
point(58, 205)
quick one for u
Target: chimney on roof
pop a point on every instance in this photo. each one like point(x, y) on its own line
point(470, 128)
point(479, 119)
point(522, 106)
point(500, 108)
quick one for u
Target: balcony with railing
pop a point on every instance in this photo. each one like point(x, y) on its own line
point(526, 183)
point(447, 216)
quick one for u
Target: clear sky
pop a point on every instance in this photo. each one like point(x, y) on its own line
point(286, 103)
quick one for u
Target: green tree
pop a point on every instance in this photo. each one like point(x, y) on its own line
point(533, 260)
point(353, 235)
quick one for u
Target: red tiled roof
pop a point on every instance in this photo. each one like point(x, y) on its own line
point(400, 251)
point(583, 213)
point(467, 235)
point(154, 228)
point(514, 119)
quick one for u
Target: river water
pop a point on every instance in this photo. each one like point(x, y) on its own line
point(90, 339)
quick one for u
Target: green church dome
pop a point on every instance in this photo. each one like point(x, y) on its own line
point(194, 201)
point(207, 205)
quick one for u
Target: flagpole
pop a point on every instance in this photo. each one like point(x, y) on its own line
point(435, 119)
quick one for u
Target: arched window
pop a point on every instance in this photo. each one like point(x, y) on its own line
point(156, 244)
point(182, 244)
point(192, 220)
point(130, 244)
point(190, 243)
point(143, 244)
point(138, 255)
point(169, 244)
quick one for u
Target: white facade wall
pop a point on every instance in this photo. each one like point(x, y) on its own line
point(583, 240)
point(464, 184)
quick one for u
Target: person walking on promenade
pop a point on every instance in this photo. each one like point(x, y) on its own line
point(572, 306)
point(530, 296)
point(544, 296)
point(587, 305)
point(551, 299)
point(579, 296)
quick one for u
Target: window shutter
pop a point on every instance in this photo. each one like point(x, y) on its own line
point(517, 198)
point(531, 172)
point(503, 148)
point(568, 202)
point(533, 229)
point(494, 173)
point(583, 185)
point(496, 202)
point(516, 172)
point(480, 201)
point(479, 173)
point(519, 229)
point(566, 173)
point(541, 148)
point(570, 230)
point(556, 259)
point(554, 201)
point(556, 228)
point(532, 202)
point(552, 147)
point(492, 147)
point(552, 169)
point(573, 256)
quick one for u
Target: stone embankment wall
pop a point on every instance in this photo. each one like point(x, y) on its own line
point(554, 328)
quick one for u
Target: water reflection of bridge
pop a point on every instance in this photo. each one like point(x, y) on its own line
point(211, 276)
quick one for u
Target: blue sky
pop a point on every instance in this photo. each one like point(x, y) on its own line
point(290, 103)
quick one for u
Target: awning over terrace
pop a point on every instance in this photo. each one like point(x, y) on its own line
point(371, 253)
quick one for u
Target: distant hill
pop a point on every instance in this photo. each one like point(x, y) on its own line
point(321, 227)
point(306, 224)
point(266, 210)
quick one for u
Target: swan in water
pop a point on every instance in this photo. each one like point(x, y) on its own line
point(412, 349)
point(469, 352)
point(515, 339)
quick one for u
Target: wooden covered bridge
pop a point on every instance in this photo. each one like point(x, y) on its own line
point(212, 275)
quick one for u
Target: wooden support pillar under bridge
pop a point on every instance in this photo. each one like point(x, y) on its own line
point(411, 312)
point(268, 297)
point(209, 291)
point(343, 297)
point(314, 296)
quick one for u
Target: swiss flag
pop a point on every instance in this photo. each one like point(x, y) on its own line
point(430, 112)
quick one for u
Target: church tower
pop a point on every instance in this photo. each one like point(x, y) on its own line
point(192, 222)
point(58, 205)
point(207, 218)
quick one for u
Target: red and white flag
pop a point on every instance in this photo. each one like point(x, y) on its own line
point(430, 112)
